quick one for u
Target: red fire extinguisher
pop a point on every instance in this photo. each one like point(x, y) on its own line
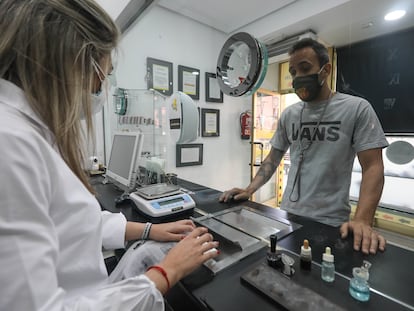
point(245, 125)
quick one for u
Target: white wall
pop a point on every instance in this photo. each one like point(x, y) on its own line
point(165, 35)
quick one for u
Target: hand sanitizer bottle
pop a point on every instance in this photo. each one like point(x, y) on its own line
point(358, 286)
point(328, 266)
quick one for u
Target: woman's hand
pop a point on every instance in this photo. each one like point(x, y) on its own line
point(185, 257)
point(171, 231)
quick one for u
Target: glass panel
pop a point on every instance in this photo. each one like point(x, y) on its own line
point(145, 111)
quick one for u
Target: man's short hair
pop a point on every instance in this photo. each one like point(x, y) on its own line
point(320, 50)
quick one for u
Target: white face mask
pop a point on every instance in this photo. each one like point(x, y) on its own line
point(98, 99)
point(97, 102)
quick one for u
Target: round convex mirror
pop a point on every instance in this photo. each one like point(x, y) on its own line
point(400, 152)
point(242, 65)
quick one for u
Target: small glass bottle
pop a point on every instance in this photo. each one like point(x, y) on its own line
point(358, 286)
point(305, 256)
point(328, 266)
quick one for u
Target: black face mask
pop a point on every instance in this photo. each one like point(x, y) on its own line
point(308, 87)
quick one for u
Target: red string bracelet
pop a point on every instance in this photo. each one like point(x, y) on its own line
point(163, 272)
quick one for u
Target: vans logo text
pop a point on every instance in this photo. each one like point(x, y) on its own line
point(326, 131)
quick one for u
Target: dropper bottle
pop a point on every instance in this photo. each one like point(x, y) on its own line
point(305, 256)
point(328, 266)
point(358, 286)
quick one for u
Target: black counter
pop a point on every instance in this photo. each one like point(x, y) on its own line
point(391, 279)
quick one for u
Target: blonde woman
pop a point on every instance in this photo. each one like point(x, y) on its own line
point(54, 59)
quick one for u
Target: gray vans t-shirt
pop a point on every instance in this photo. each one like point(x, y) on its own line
point(348, 126)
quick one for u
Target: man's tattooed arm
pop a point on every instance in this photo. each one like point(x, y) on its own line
point(266, 170)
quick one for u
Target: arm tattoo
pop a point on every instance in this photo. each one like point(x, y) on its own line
point(266, 170)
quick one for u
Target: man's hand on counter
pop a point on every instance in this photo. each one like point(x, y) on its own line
point(236, 194)
point(366, 239)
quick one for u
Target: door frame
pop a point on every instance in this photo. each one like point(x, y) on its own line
point(253, 143)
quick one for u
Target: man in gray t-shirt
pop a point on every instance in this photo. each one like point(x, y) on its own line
point(324, 133)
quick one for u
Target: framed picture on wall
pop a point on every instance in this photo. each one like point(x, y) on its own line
point(199, 122)
point(159, 76)
point(189, 81)
point(188, 155)
point(210, 122)
point(213, 91)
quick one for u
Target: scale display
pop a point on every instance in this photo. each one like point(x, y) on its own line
point(163, 206)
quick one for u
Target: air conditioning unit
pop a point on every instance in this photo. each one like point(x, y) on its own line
point(283, 46)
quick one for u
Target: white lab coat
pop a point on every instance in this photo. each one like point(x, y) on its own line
point(52, 229)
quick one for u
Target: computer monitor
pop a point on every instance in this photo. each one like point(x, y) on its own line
point(123, 160)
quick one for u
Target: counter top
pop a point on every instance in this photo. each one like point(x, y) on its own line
point(391, 279)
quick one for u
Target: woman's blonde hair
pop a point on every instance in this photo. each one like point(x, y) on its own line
point(47, 48)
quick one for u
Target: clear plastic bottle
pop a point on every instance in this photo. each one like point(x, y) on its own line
point(328, 266)
point(358, 286)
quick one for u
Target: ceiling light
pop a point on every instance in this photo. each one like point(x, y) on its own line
point(394, 15)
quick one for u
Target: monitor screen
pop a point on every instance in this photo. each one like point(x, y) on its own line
point(125, 151)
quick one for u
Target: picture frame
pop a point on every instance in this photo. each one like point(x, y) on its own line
point(189, 81)
point(210, 122)
point(199, 122)
point(188, 155)
point(160, 75)
point(213, 91)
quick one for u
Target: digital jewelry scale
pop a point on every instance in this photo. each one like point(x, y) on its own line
point(161, 200)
